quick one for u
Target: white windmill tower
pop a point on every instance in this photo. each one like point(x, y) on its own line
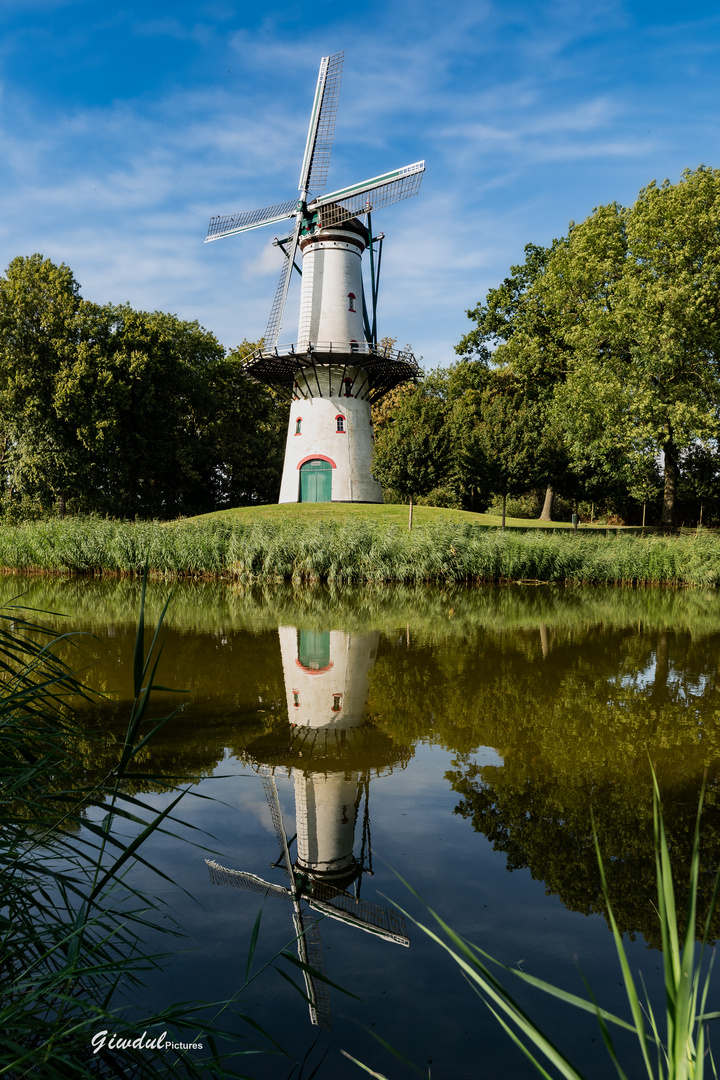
point(334, 371)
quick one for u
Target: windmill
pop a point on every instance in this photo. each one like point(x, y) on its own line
point(335, 370)
point(321, 898)
point(331, 752)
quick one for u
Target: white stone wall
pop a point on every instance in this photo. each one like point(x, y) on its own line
point(350, 451)
point(351, 657)
point(331, 270)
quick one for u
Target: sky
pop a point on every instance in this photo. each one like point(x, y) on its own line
point(125, 126)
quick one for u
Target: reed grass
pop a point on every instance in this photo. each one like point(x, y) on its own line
point(354, 550)
point(673, 1046)
point(71, 922)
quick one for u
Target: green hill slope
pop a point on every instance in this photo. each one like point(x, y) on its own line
point(372, 512)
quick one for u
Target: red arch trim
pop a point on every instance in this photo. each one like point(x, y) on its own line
point(316, 457)
point(314, 670)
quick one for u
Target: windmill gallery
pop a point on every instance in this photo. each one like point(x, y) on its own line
point(335, 370)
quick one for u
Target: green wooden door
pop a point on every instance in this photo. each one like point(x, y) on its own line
point(316, 481)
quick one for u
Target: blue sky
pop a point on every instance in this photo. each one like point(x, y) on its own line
point(125, 126)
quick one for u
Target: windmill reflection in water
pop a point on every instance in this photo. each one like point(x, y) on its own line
point(332, 752)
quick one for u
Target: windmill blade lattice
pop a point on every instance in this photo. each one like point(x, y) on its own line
point(243, 879)
point(310, 953)
point(313, 172)
point(273, 799)
point(274, 323)
point(229, 224)
point(385, 922)
point(370, 195)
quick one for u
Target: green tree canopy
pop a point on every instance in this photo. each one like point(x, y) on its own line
point(617, 329)
point(126, 412)
point(412, 447)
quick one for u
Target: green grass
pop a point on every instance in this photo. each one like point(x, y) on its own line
point(376, 514)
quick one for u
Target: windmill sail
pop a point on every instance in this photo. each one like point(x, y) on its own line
point(339, 206)
point(273, 799)
point(310, 954)
point(309, 945)
point(242, 879)
point(384, 922)
point(229, 224)
point(313, 172)
point(272, 330)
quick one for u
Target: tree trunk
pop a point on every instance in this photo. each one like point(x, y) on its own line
point(61, 504)
point(410, 516)
point(544, 639)
point(548, 505)
point(671, 481)
point(644, 505)
point(504, 504)
point(659, 692)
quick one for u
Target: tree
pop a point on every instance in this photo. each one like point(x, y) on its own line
point(39, 302)
point(616, 329)
point(639, 293)
point(248, 432)
point(137, 395)
point(112, 410)
point(509, 437)
point(518, 331)
point(412, 449)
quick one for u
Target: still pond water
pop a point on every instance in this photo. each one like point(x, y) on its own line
point(459, 738)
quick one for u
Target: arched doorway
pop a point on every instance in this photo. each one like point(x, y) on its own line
point(316, 481)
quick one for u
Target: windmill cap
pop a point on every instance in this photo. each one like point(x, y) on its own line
point(353, 226)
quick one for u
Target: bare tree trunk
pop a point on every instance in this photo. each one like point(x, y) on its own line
point(504, 504)
point(644, 505)
point(548, 505)
point(411, 510)
point(671, 482)
point(61, 504)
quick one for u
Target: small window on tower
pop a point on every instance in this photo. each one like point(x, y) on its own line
point(296, 699)
point(298, 425)
point(348, 387)
point(337, 703)
point(340, 423)
point(354, 347)
point(351, 301)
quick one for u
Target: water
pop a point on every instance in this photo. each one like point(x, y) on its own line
point(457, 738)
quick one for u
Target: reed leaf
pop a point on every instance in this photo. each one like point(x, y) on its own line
point(71, 921)
point(680, 1051)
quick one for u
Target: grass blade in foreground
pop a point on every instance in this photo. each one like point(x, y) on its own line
point(71, 923)
point(681, 1052)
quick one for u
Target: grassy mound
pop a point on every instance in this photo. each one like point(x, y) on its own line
point(371, 513)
